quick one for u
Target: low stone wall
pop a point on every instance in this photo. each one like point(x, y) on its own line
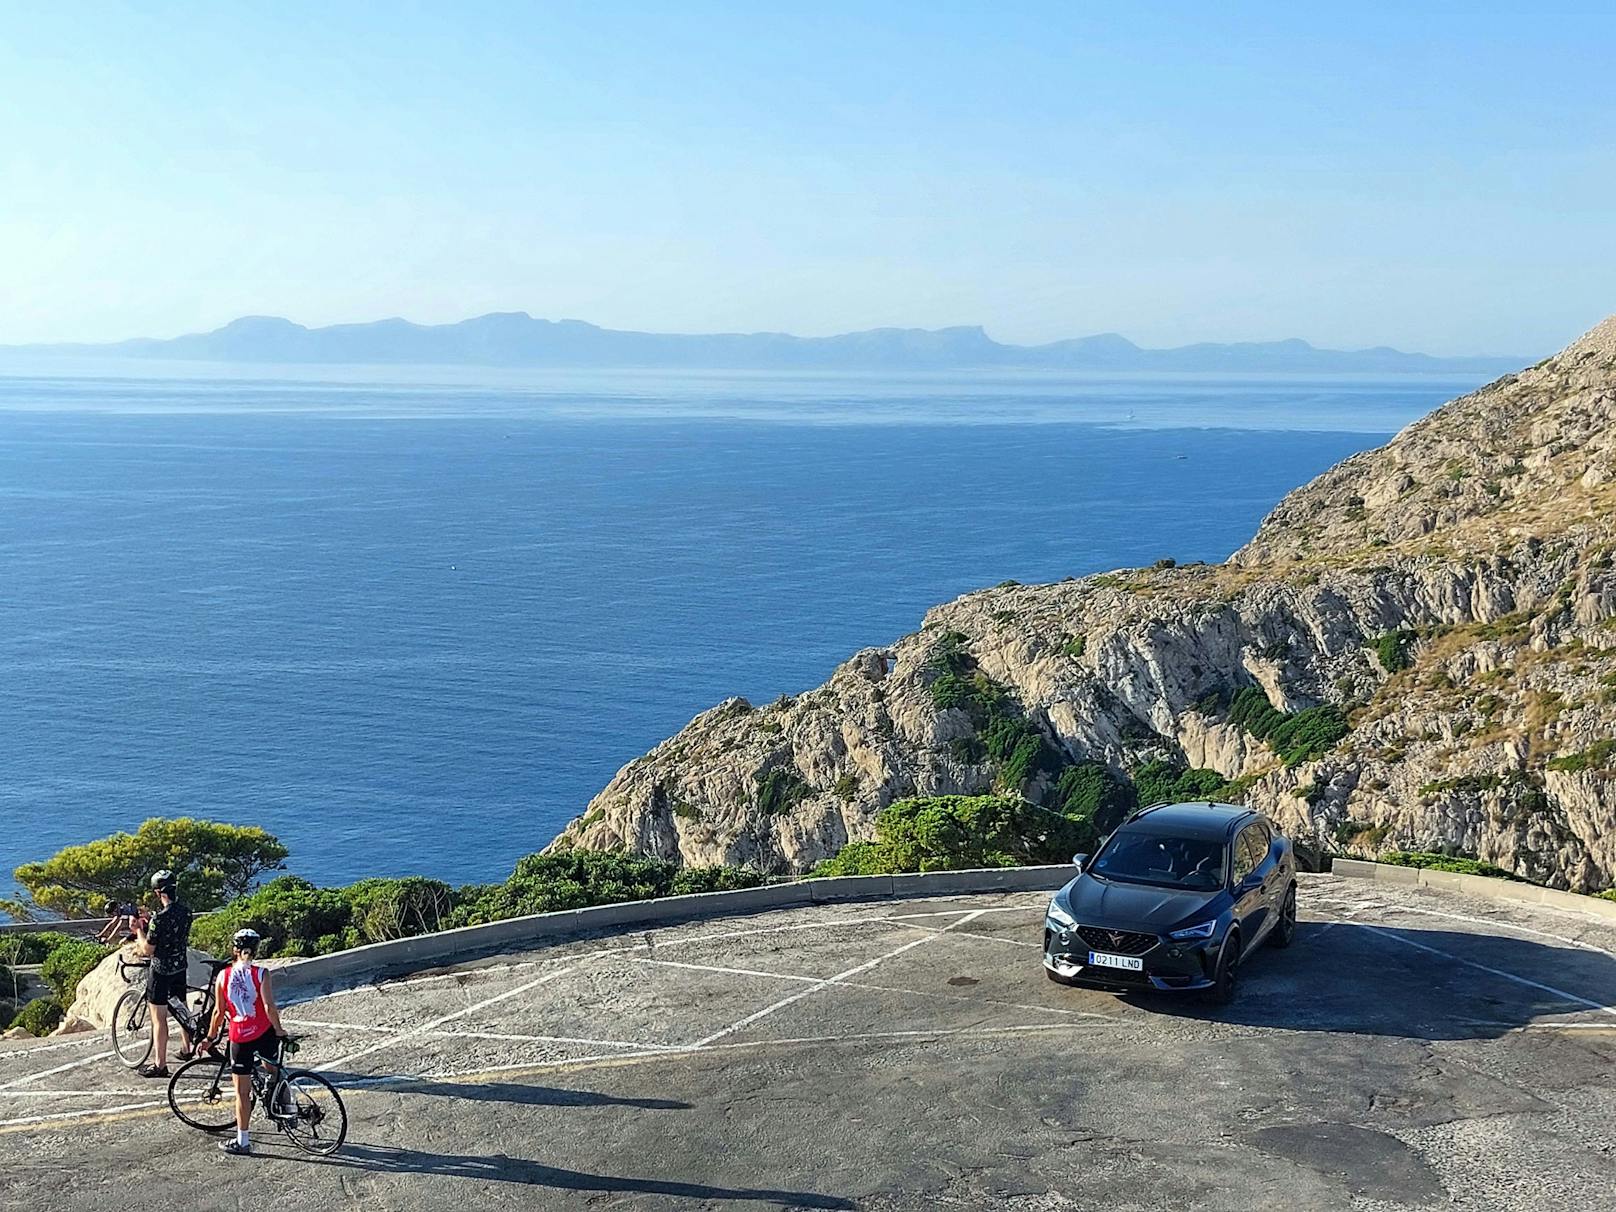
point(1476, 885)
point(297, 980)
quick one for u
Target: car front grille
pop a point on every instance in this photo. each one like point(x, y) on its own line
point(1117, 942)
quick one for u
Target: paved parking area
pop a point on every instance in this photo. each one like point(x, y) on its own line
point(1412, 1050)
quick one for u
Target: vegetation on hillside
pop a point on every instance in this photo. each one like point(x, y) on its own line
point(958, 832)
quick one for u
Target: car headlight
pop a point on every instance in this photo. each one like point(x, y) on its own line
point(1204, 930)
point(1059, 917)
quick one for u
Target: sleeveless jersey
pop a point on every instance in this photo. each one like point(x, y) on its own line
point(241, 995)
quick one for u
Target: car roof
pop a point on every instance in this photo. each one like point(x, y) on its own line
point(1195, 818)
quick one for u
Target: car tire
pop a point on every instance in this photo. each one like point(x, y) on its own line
point(1285, 929)
point(1225, 977)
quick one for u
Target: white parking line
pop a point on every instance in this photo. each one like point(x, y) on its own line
point(818, 985)
point(60, 1115)
point(447, 1018)
point(500, 1035)
point(1495, 924)
point(1499, 972)
point(34, 1077)
point(33, 1050)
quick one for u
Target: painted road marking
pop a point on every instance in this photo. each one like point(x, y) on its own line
point(818, 985)
point(1390, 933)
point(34, 1077)
point(447, 1018)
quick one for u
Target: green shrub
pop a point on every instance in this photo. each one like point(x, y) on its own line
point(382, 909)
point(1297, 736)
point(1597, 756)
point(714, 879)
point(1443, 862)
point(40, 1016)
point(954, 832)
point(846, 787)
point(1159, 781)
point(1075, 646)
point(1394, 649)
point(32, 948)
point(569, 879)
point(1608, 894)
point(780, 789)
point(293, 916)
point(1095, 798)
point(8, 1013)
point(70, 963)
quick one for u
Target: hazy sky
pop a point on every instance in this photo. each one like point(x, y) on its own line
point(1437, 177)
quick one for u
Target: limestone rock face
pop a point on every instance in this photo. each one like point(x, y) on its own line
point(1473, 552)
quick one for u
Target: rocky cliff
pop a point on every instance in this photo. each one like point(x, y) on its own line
point(1445, 605)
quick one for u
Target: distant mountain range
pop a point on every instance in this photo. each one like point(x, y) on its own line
point(517, 339)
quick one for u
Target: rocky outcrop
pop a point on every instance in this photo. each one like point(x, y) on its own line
point(98, 992)
point(1451, 594)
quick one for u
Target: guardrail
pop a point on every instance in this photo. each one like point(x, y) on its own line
point(87, 926)
point(299, 980)
point(1476, 885)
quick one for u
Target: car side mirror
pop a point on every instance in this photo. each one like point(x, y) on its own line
point(1080, 861)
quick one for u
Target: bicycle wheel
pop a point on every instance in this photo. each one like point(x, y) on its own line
point(131, 1034)
point(319, 1123)
point(201, 1094)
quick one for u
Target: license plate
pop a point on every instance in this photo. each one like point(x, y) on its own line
point(1128, 963)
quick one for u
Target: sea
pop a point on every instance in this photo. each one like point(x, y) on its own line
point(411, 620)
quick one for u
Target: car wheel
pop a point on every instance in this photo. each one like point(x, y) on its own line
point(1224, 977)
point(1285, 931)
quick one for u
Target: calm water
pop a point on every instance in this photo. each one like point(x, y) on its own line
point(416, 626)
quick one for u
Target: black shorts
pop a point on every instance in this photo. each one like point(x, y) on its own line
point(267, 1045)
point(163, 987)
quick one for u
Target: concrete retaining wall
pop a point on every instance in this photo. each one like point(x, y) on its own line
point(1476, 885)
point(297, 980)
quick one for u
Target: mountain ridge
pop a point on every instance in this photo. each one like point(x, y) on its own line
point(518, 339)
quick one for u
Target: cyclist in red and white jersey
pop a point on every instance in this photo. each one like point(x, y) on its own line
point(246, 1001)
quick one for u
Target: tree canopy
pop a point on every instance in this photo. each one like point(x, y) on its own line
point(214, 863)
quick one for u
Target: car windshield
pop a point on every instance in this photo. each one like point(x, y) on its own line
point(1152, 858)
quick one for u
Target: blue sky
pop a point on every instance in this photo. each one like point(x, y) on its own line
point(1438, 177)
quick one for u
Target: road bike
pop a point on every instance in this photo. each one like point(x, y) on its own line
point(131, 1032)
point(301, 1103)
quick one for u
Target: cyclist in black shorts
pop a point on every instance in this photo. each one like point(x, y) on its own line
point(246, 1006)
point(165, 938)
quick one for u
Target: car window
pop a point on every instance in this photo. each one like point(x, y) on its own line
point(1161, 859)
point(1247, 853)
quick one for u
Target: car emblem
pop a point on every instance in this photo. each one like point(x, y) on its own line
point(1115, 936)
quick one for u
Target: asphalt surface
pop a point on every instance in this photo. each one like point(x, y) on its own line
point(1411, 1050)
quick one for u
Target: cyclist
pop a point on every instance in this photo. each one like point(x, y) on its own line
point(247, 1001)
point(165, 938)
point(124, 922)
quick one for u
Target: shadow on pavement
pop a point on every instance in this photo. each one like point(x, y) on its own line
point(1368, 979)
point(382, 1159)
point(507, 1092)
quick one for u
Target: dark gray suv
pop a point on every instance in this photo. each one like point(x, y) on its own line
point(1173, 900)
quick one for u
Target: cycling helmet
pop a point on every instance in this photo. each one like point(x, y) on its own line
point(245, 940)
point(164, 881)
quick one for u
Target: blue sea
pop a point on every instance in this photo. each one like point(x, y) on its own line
point(412, 620)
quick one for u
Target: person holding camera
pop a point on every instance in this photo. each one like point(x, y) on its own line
point(166, 939)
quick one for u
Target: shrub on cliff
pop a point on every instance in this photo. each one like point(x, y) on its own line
point(1443, 862)
point(40, 1016)
point(1296, 736)
point(576, 879)
point(1095, 798)
point(70, 963)
point(293, 916)
point(1159, 781)
point(955, 832)
point(214, 862)
point(382, 909)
